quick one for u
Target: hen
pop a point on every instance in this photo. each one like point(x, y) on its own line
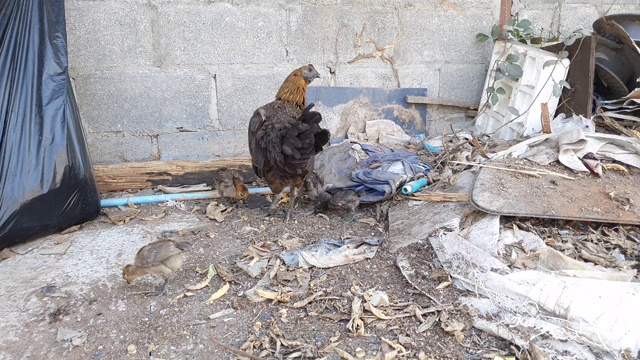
point(284, 137)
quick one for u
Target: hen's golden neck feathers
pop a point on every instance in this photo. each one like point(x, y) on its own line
point(294, 87)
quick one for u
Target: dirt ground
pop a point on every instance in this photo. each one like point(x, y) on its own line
point(107, 319)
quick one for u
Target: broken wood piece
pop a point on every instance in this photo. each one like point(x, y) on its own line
point(545, 118)
point(439, 197)
point(148, 174)
point(446, 102)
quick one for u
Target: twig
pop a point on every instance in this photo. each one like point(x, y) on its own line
point(535, 173)
point(234, 350)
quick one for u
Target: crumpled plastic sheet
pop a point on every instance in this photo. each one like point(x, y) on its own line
point(569, 143)
point(563, 308)
point(331, 253)
point(348, 165)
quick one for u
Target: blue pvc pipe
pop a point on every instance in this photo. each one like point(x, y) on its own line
point(413, 186)
point(154, 199)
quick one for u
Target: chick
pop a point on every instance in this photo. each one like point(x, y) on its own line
point(229, 184)
point(159, 258)
point(313, 186)
point(344, 199)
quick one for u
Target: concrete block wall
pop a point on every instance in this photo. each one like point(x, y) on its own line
point(179, 79)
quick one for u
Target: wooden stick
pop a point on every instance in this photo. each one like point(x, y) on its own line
point(439, 197)
point(433, 101)
point(142, 175)
point(535, 173)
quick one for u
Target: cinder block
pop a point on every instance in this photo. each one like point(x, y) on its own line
point(462, 82)
point(221, 34)
point(368, 73)
point(104, 34)
point(115, 148)
point(421, 76)
point(146, 101)
point(549, 19)
point(242, 90)
point(203, 145)
point(323, 34)
point(441, 34)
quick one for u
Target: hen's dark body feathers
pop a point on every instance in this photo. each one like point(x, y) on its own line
point(283, 143)
point(284, 138)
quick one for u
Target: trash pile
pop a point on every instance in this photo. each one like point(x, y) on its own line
point(548, 252)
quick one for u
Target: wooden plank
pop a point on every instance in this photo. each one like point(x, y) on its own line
point(142, 175)
point(433, 101)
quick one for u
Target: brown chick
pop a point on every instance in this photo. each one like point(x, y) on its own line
point(344, 199)
point(159, 258)
point(229, 184)
point(242, 192)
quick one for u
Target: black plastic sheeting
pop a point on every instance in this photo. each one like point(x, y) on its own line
point(46, 178)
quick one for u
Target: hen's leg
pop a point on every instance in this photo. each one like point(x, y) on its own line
point(292, 203)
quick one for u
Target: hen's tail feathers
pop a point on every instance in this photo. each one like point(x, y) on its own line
point(304, 138)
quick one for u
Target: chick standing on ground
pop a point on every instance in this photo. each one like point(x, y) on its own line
point(344, 199)
point(229, 184)
point(159, 258)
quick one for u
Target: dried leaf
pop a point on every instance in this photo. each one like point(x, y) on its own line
point(307, 300)
point(397, 347)
point(443, 285)
point(218, 294)
point(368, 221)
point(6, 253)
point(343, 354)
point(205, 282)
point(616, 167)
point(323, 216)
point(225, 274)
point(120, 217)
point(131, 205)
point(215, 211)
point(476, 144)
point(72, 229)
point(157, 216)
point(271, 295)
point(356, 325)
point(428, 323)
point(377, 312)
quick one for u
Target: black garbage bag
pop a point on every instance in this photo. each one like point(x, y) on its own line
point(46, 178)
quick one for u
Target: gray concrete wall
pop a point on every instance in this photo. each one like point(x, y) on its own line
point(167, 80)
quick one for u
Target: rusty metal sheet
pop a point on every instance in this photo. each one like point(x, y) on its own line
point(578, 99)
point(614, 198)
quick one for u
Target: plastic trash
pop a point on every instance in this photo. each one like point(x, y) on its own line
point(413, 186)
point(46, 177)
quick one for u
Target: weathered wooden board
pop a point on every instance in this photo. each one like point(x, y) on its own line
point(141, 175)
